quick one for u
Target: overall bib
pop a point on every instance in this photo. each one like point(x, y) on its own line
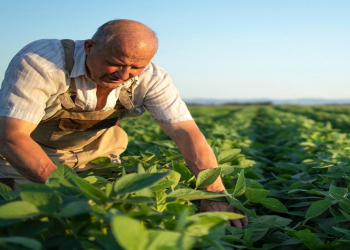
point(75, 138)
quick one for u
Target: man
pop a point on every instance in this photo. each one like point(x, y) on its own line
point(60, 102)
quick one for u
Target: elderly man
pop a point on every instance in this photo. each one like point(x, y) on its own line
point(60, 102)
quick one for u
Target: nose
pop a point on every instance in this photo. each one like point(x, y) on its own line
point(123, 73)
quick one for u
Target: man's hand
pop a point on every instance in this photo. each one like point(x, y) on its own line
point(199, 156)
point(209, 206)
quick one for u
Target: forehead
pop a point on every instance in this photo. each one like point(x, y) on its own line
point(126, 58)
point(131, 49)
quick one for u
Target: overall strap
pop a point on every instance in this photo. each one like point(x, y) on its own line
point(68, 46)
point(125, 99)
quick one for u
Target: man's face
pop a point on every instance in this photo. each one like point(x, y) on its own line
point(110, 67)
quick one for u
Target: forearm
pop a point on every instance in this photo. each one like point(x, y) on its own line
point(194, 148)
point(199, 156)
point(27, 157)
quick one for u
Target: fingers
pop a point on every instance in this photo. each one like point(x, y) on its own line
point(237, 224)
point(245, 221)
point(207, 205)
point(240, 222)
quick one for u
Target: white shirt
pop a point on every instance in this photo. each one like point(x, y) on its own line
point(37, 75)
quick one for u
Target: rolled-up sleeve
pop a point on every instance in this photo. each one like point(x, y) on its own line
point(28, 84)
point(162, 99)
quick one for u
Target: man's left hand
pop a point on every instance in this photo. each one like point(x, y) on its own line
point(211, 206)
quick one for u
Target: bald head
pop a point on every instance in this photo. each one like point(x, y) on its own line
point(119, 51)
point(122, 35)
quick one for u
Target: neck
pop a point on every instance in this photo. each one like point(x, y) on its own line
point(102, 95)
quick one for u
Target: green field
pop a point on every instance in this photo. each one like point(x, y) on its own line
point(286, 167)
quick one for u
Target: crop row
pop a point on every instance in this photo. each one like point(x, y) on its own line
point(287, 173)
point(332, 115)
point(310, 176)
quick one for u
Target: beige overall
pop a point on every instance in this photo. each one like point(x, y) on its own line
point(77, 137)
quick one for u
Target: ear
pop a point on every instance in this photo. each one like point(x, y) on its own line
point(88, 46)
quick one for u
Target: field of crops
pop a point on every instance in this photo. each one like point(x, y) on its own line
point(287, 168)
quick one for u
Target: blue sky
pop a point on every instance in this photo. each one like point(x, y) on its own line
point(280, 49)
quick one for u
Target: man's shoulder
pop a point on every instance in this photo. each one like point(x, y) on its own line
point(41, 46)
point(153, 74)
point(154, 70)
point(45, 52)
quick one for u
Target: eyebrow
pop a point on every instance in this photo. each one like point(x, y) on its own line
point(121, 64)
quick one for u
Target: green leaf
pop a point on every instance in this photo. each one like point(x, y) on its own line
point(256, 195)
point(247, 235)
point(207, 177)
point(190, 194)
point(22, 241)
point(346, 215)
point(88, 190)
point(140, 169)
point(129, 233)
point(134, 182)
point(274, 205)
point(161, 185)
point(269, 221)
point(182, 170)
point(45, 202)
point(18, 210)
point(216, 244)
point(217, 214)
point(95, 179)
point(31, 228)
point(338, 190)
point(63, 172)
point(240, 185)
point(215, 150)
point(181, 222)
point(4, 189)
point(160, 198)
point(318, 208)
point(75, 208)
point(168, 240)
point(173, 177)
point(102, 160)
point(136, 200)
point(213, 227)
point(228, 155)
point(309, 239)
point(152, 169)
point(345, 207)
point(237, 204)
point(38, 187)
point(176, 208)
point(245, 163)
point(167, 152)
point(165, 143)
point(226, 169)
point(346, 201)
point(342, 230)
